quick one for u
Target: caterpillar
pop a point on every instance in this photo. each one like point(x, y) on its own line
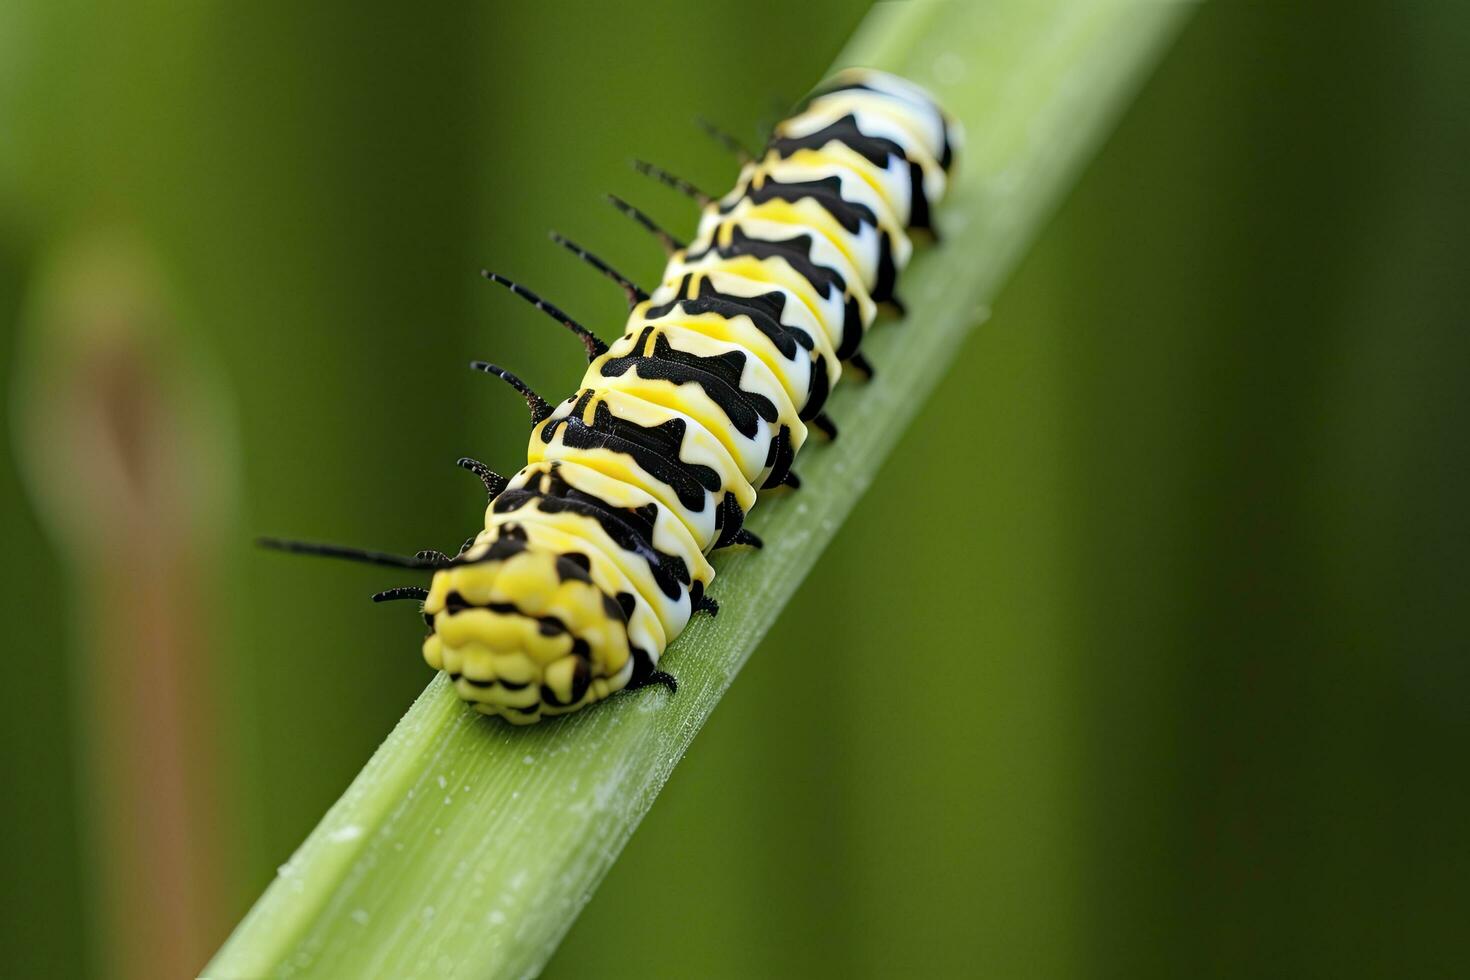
point(593, 557)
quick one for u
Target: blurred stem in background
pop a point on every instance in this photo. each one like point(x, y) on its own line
point(130, 455)
point(303, 177)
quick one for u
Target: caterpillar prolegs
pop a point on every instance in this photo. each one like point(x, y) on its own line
point(593, 556)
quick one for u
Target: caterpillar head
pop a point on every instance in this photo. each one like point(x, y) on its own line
point(523, 632)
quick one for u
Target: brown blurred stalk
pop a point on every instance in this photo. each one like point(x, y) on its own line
point(127, 454)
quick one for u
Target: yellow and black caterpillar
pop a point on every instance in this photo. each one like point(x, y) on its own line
point(592, 559)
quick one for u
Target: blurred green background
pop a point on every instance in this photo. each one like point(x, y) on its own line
point(1189, 558)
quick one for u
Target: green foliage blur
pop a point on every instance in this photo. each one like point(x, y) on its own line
point(1146, 656)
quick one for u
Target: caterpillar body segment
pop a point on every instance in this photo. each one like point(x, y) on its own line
point(758, 290)
point(825, 276)
point(828, 196)
point(900, 103)
point(881, 131)
point(660, 450)
point(651, 547)
point(749, 329)
point(593, 557)
point(725, 388)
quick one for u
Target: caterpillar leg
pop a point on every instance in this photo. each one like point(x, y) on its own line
point(652, 678)
point(790, 480)
point(748, 538)
point(707, 604)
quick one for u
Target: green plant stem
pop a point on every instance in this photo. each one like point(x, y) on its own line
point(466, 846)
